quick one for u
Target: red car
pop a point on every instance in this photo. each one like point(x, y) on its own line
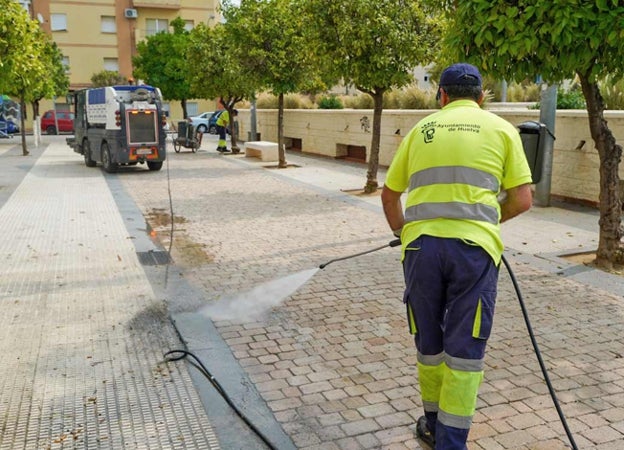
point(65, 122)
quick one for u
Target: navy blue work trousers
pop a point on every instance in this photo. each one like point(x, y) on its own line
point(451, 293)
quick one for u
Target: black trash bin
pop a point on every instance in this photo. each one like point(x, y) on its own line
point(534, 137)
point(183, 129)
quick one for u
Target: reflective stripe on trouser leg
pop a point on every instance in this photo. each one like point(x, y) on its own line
point(449, 397)
point(430, 376)
point(458, 399)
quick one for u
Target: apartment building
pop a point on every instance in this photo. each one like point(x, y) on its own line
point(96, 35)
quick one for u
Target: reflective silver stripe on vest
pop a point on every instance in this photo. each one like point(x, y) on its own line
point(431, 360)
point(454, 174)
point(452, 420)
point(463, 364)
point(452, 210)
point(453, 363)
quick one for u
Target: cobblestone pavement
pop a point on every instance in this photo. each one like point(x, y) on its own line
point(334, 362)
point(82, 333)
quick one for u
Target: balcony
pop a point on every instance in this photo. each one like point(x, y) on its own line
point(165, 4)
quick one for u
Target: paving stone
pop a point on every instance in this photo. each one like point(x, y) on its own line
point(83, 333)
point(356, 427)
point(376, 410)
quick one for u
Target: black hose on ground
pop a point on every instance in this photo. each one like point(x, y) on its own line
point(539, 355)
point(196, 362)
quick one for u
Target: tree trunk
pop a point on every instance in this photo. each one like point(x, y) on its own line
point(610, 250)
point(233, 127)
point(373, 160)
point(35, 107)
point(183, 105)
point(23, 128)
point(280, 133)
point(36, 123)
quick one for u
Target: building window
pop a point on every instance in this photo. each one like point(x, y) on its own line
point(189, 25)
point(109, 25)
point(58, 22)
point(166, 108)
point(65, 63)
point(111, 64)
point(154, 26)
point(192, 109)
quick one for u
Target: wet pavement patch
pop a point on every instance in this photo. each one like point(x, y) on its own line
point(159, 217)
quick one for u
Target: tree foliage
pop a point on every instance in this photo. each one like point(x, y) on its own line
point(23, 62)
point(557, 39)
point(374, 46)
point(216, 65)
point(107, 78)
point(271, 35)
point(161, 62)
point(216, 68)
point(56, 82)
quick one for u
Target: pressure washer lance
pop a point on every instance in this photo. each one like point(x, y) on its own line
point(525, 314)
point(394, 243)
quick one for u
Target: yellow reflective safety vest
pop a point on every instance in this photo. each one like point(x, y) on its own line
point(453, 164)
point(223, 119)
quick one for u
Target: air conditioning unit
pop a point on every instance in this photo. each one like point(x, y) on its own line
point(131, 13)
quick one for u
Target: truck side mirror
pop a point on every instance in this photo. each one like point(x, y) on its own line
point(534, 136)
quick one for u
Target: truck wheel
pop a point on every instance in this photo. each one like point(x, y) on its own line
point(107, 163)
point(51, 129)
point(86, 150)
point(154, 165)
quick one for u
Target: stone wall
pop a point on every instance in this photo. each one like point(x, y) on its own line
point(342, 133)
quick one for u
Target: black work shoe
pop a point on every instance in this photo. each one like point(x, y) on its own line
point(423, 433)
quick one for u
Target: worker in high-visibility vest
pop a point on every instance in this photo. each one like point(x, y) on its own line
point(223, 121)
point(456, 165)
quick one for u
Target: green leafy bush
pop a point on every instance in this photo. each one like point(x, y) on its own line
point(330, 102)
point(107, 78)
point(570, 99)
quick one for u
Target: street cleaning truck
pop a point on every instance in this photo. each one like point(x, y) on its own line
point(119, 126)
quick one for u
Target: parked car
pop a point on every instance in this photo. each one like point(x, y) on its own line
point(206, 121)
point(201, 122)
point(65, 122)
